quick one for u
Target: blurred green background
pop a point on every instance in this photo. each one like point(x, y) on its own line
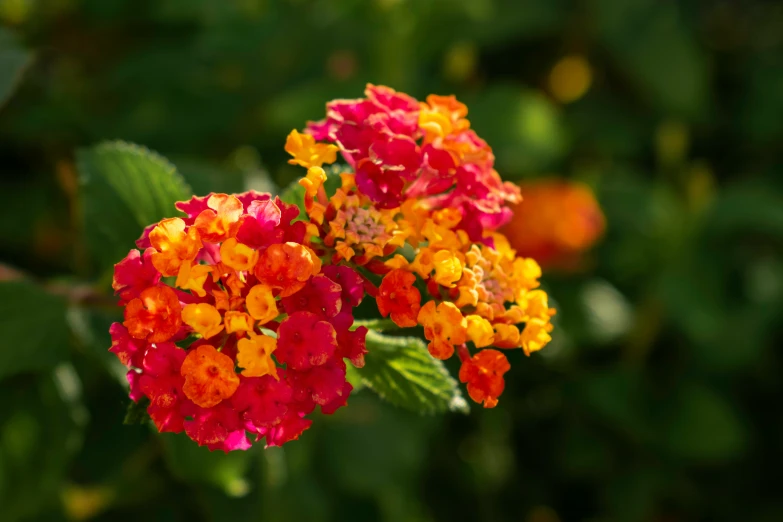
point(659, 398)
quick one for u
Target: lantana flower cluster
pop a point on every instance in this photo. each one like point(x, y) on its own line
point(239, 315)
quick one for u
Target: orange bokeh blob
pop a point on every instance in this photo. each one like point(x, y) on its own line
point(556, 221)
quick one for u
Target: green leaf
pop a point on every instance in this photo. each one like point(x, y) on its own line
point(137, 412)
point(617, 397)
point(652, 42)
point(33, 328)
point(205, 177)
point(125, 188)
point(525, 129)
point(700, 425)
point(38, 437)
point(13, 61)
point(402, 371)
point(746, 208)
point(294, 194)
point(198, 465)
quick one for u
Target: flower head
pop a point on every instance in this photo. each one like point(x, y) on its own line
point(239, 314)
point(242, 263)
point(401, 148)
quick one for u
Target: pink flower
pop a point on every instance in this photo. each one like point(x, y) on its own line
point(134, 274)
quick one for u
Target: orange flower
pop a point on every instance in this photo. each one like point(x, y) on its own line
point(192, 277)
point(556, 221)
point(174, 245)
point(221, 219)
point(237, 255)
point(287, 267)
point(444, 326)
point(154, 315)
point(399, 298)
point(209, 376)
point(442, 115)
point(484, 375)
point(506, 336)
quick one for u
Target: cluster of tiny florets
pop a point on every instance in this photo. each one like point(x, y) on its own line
point(238, 316)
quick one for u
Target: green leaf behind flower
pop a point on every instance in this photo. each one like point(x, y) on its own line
point(33, 327)
point(197, 464)
point(13, 61)
point(402, 371)
point(125, 188)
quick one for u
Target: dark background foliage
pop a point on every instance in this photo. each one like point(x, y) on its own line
point(659, 398)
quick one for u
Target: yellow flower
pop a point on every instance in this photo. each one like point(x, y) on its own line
point(306, 152)
point(448, 268)
point(535, 335)
point(480, 331)
point(536, 306)
point(203, 318)
point(314, 180)
point(261, 304)
point(506, 336)
point(254, 355)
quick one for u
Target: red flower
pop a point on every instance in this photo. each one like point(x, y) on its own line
point(257, 228)
point(134, 274)
point(351, 283)
point(320, 295)
point(162, 383)
point(384, 187)
point(321, 384)
point(214, 426)
point(351, 344)
point(304, 341)
point(128, 350)
point(262, 400)
point(289, 429)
